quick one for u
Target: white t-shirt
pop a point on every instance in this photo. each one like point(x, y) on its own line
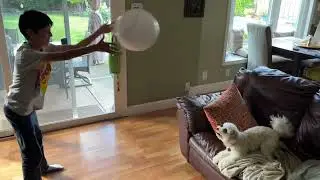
point(30, 81)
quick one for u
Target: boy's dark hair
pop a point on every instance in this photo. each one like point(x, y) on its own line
point(34, 20)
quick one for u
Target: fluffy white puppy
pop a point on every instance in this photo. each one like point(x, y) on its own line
point(262, 138)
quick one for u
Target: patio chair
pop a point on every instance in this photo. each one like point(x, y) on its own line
point(260, 50)
point(79, 65)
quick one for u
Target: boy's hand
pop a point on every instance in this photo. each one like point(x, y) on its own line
point(105, 28)
point(107, 47)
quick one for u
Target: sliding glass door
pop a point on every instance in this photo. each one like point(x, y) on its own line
point(93, 82)
point(79, 88)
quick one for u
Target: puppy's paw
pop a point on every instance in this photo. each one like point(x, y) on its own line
point(222, 154)
point(216, 159)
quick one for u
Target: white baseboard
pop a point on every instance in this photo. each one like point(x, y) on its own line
point(151, 106)
point(208, 88)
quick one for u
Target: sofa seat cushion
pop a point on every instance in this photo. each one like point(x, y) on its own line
point(270, 92)
point(192, 107)
point(230, 107)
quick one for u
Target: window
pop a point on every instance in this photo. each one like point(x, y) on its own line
point(284, 16)
point(288, 16)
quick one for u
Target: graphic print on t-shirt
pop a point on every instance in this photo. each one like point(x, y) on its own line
point(43, 77)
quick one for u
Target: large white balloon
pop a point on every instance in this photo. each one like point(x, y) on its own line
point(136, 30)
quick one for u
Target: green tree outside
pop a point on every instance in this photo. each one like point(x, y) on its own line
point(242, 5)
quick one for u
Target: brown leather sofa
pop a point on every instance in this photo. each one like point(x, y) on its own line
point(266, 91)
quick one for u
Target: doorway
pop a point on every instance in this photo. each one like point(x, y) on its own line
point(80, 90)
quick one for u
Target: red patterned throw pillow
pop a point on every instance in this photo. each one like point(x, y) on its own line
point(230, 107)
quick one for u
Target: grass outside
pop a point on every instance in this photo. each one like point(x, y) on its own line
point(78, 26)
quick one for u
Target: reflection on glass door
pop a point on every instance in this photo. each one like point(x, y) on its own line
point(4, 124)
point(94, 85)
point(6, 67)
point(79, 88)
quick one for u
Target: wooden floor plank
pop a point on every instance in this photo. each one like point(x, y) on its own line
point(141, 147)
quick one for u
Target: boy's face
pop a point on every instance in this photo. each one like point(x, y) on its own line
point(42, 37)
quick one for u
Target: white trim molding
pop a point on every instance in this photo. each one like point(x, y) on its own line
point(120, 80)
point(208, 88)
point(307, 11)
point(229, 27)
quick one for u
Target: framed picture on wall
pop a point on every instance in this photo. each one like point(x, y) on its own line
point(194, 8)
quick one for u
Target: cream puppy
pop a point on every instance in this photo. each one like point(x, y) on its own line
point(262, 138)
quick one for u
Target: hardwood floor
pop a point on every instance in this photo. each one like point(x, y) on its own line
point(142, 147)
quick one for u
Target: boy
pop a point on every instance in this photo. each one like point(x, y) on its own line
point(30, 79)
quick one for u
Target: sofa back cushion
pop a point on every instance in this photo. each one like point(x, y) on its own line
point(271, 92)
point(308, 134)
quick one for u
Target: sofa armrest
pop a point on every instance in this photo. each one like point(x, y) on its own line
point(194, 115)
point(192, 118)
point(184, 134)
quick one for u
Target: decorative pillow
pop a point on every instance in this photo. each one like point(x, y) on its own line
point(230, 107)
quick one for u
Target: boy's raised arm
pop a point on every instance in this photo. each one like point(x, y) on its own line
point(105, 28)
point(76, 52)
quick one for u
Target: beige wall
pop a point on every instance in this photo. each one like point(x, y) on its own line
point(212, 40)
point(186, 47)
